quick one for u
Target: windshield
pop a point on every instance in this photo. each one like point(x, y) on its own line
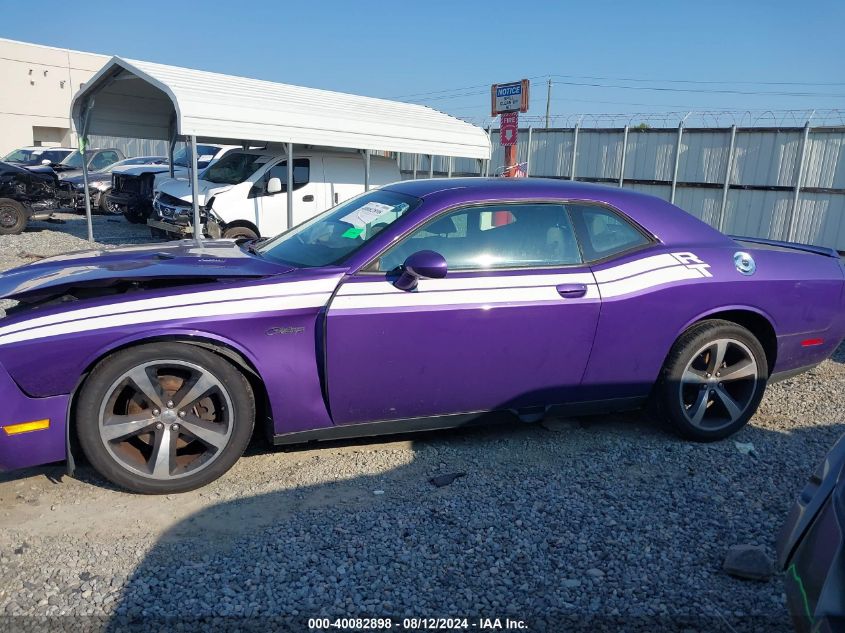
point(234, 168)
point(182, 157)
point(21, 156)
point(335, 234)
point(74, 160)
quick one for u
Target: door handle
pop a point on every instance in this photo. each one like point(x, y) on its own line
point(571, 291)
point(308, 198)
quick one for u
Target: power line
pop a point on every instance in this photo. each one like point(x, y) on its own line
point(703, 91)
point(704, 81)
point(448, 93)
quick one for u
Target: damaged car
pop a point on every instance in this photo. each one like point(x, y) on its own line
point(131, 192)
point(100, 182)
point(26, 195)
point(406, 308)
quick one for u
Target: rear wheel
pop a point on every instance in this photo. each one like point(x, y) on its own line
point(712, 381)
point(164, 417)
point(12, 217)
point(239, 233)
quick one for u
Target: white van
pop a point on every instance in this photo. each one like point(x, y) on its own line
point(245, 191)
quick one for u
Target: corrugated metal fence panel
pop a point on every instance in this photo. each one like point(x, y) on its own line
point(130, 146)
point(599, 154)
point(755, 213)
point(825, 160)
point(703, 203)
point(820, 220)
point(704, 156)
point(766, 158)
point(660, 191)
point(651, 155)
point(551, 153)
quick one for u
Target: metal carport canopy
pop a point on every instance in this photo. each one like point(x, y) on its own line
point(145, 100)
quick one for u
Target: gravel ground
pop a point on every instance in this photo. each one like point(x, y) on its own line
point(603, 523)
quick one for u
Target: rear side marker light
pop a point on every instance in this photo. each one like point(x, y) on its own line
point(27, 427)
point(812, 342)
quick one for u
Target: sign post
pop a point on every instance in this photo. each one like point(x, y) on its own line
point(508, 100)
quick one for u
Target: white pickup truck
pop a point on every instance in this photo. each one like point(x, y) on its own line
point(244, 193)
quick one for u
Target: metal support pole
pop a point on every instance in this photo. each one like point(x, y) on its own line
point(528, 151)
point(416, 164)
point(366, 170)
point(195, 192)
point(83, 141)
point(677, 161)
point(290, 186)
point(720, 224)
point(431, 165)
point(489, 140)
point(574, 151)
point(622, 159)
point(449, 168)
point(171, 145)
point(548, 102)
point(793, 214)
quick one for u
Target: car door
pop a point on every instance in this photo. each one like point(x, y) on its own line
point(509, 327)
point(272, 207)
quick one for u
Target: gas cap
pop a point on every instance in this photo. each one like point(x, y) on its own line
point(744, 263)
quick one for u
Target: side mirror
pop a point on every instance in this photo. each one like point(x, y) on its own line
point(46, 162)
point(421, 265)
point(274, 185)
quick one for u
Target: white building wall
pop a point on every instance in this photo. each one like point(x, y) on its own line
point(36, 86)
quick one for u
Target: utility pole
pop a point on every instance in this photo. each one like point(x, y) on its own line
point(548, 101)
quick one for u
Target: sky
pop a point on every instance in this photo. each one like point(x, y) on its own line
point(602, 57)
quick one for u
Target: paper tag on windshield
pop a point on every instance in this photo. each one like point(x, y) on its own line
point(363, 216)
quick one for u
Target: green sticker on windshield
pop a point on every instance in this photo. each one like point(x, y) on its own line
point(353, 232)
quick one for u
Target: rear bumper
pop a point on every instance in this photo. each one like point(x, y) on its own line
point(31, 448)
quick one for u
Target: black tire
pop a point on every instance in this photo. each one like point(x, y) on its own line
point(158, 234)
point(104, 205)
point(13, 217)
point(195, 469)
point(675, 396)
point(134, 217)
point(239, 233)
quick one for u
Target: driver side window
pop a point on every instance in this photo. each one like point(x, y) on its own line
point(301, 177)
point(494, 237)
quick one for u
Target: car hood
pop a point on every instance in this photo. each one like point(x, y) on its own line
point(166, 264)
point(182, 189)
point(136, 170)
point(95, 177)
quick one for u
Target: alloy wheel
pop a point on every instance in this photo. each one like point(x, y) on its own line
point(166, 419)
point(718, 384)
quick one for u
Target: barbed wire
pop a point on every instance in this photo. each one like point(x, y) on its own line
point(694, 118)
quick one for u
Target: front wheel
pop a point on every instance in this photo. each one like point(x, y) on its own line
point(164, 417)
point(712, 381)
point(12, 217)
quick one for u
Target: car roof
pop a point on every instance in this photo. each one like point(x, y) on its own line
point(45, 149)
point(667, 222)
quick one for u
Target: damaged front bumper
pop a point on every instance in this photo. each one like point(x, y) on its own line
point(32, 430)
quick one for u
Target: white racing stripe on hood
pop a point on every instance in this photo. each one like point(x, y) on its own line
point(195, 304)
point(246, 306)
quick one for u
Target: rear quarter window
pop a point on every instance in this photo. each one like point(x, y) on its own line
point(604, 233)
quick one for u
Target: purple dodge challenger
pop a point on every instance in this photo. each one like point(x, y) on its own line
point(421, 305)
